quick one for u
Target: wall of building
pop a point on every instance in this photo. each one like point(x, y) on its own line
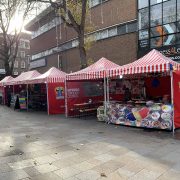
point(120, 48)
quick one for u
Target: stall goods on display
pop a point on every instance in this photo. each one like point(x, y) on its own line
point(149, 116)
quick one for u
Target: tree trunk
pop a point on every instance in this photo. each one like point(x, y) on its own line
point(7, 69)
point(82, 52)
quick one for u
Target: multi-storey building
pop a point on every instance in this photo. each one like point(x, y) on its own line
point(123, 31)
point(159, 27)
point(21, 63)
point(114, 30)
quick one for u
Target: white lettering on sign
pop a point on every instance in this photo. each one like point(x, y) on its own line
point(73, 93)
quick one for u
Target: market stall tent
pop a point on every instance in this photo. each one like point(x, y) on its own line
point(176, 85)
point(5, 80)
point(23, 78)
point(55, 87)
point(3, 88)
point(153, 62)
point(96, 71)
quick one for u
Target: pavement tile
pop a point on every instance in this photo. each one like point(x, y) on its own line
point(145, 174)
point(125, 173)
point(67, 172)
point(84, 166)
point(170, 175)
point(45, 168)
point(22, 164)
point(104, 157)
point(63, 155)
point(47, 176)
point(5, 168)
point(45, 159)
point(88, 175)
point(108, 167)
point(14, 175)
point(31, 171)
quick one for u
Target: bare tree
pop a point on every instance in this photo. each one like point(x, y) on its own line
point(73, 13)
point(10, 37)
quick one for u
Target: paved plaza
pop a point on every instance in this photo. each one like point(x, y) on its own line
point(36, 146)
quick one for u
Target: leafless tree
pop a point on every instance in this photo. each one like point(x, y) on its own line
point(9, 38)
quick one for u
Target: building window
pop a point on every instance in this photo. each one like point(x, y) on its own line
point(27, 44)
point(15, 73)
point(75, 43)
point(112, 32)
point(16, 64)
point(169, 11)
point(144, 34)
point(23, 65)
point(131, 27)
point(22, 54)
point(143, 3)
point(161, 29)
point(143, 18)
point(157, 1)
point(156, 42)
point(156, 15)
point(93, 3)
point(178, 10)
point(169, 40)
point(28, 59)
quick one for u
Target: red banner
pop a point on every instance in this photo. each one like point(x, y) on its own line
point(176, 76)
point(81, 92)
point(56, 94)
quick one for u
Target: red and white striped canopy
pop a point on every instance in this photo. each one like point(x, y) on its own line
point(154, 61)
point(95, 71)
point(24, 77)
point(6, 80)
point(53, 75)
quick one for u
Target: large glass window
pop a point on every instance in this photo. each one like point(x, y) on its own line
point(178, 10)
point(157, 31)
point(169, 28)
point(144, 18)
point(169, 11)
point(156, 42)
point(178, 26)
point(178, 38)
point(143, 3)
point(156, 15)
point(143, 34)
point(156, 1)
point(169, 40)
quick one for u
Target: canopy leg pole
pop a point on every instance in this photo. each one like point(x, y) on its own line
point(107, 90)
point(172, 100)
point(47, 98)
point(65, 90)
point(27, 98)
point(105, 99)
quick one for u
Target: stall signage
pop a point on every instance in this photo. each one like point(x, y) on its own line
point(59, 91)
point(38, 63)
point(22, 102)
point(73, 93)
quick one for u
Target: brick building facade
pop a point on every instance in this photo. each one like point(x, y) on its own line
point(114, 30)
point(21, 63)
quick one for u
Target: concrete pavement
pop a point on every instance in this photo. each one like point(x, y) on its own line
point(36, 146)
